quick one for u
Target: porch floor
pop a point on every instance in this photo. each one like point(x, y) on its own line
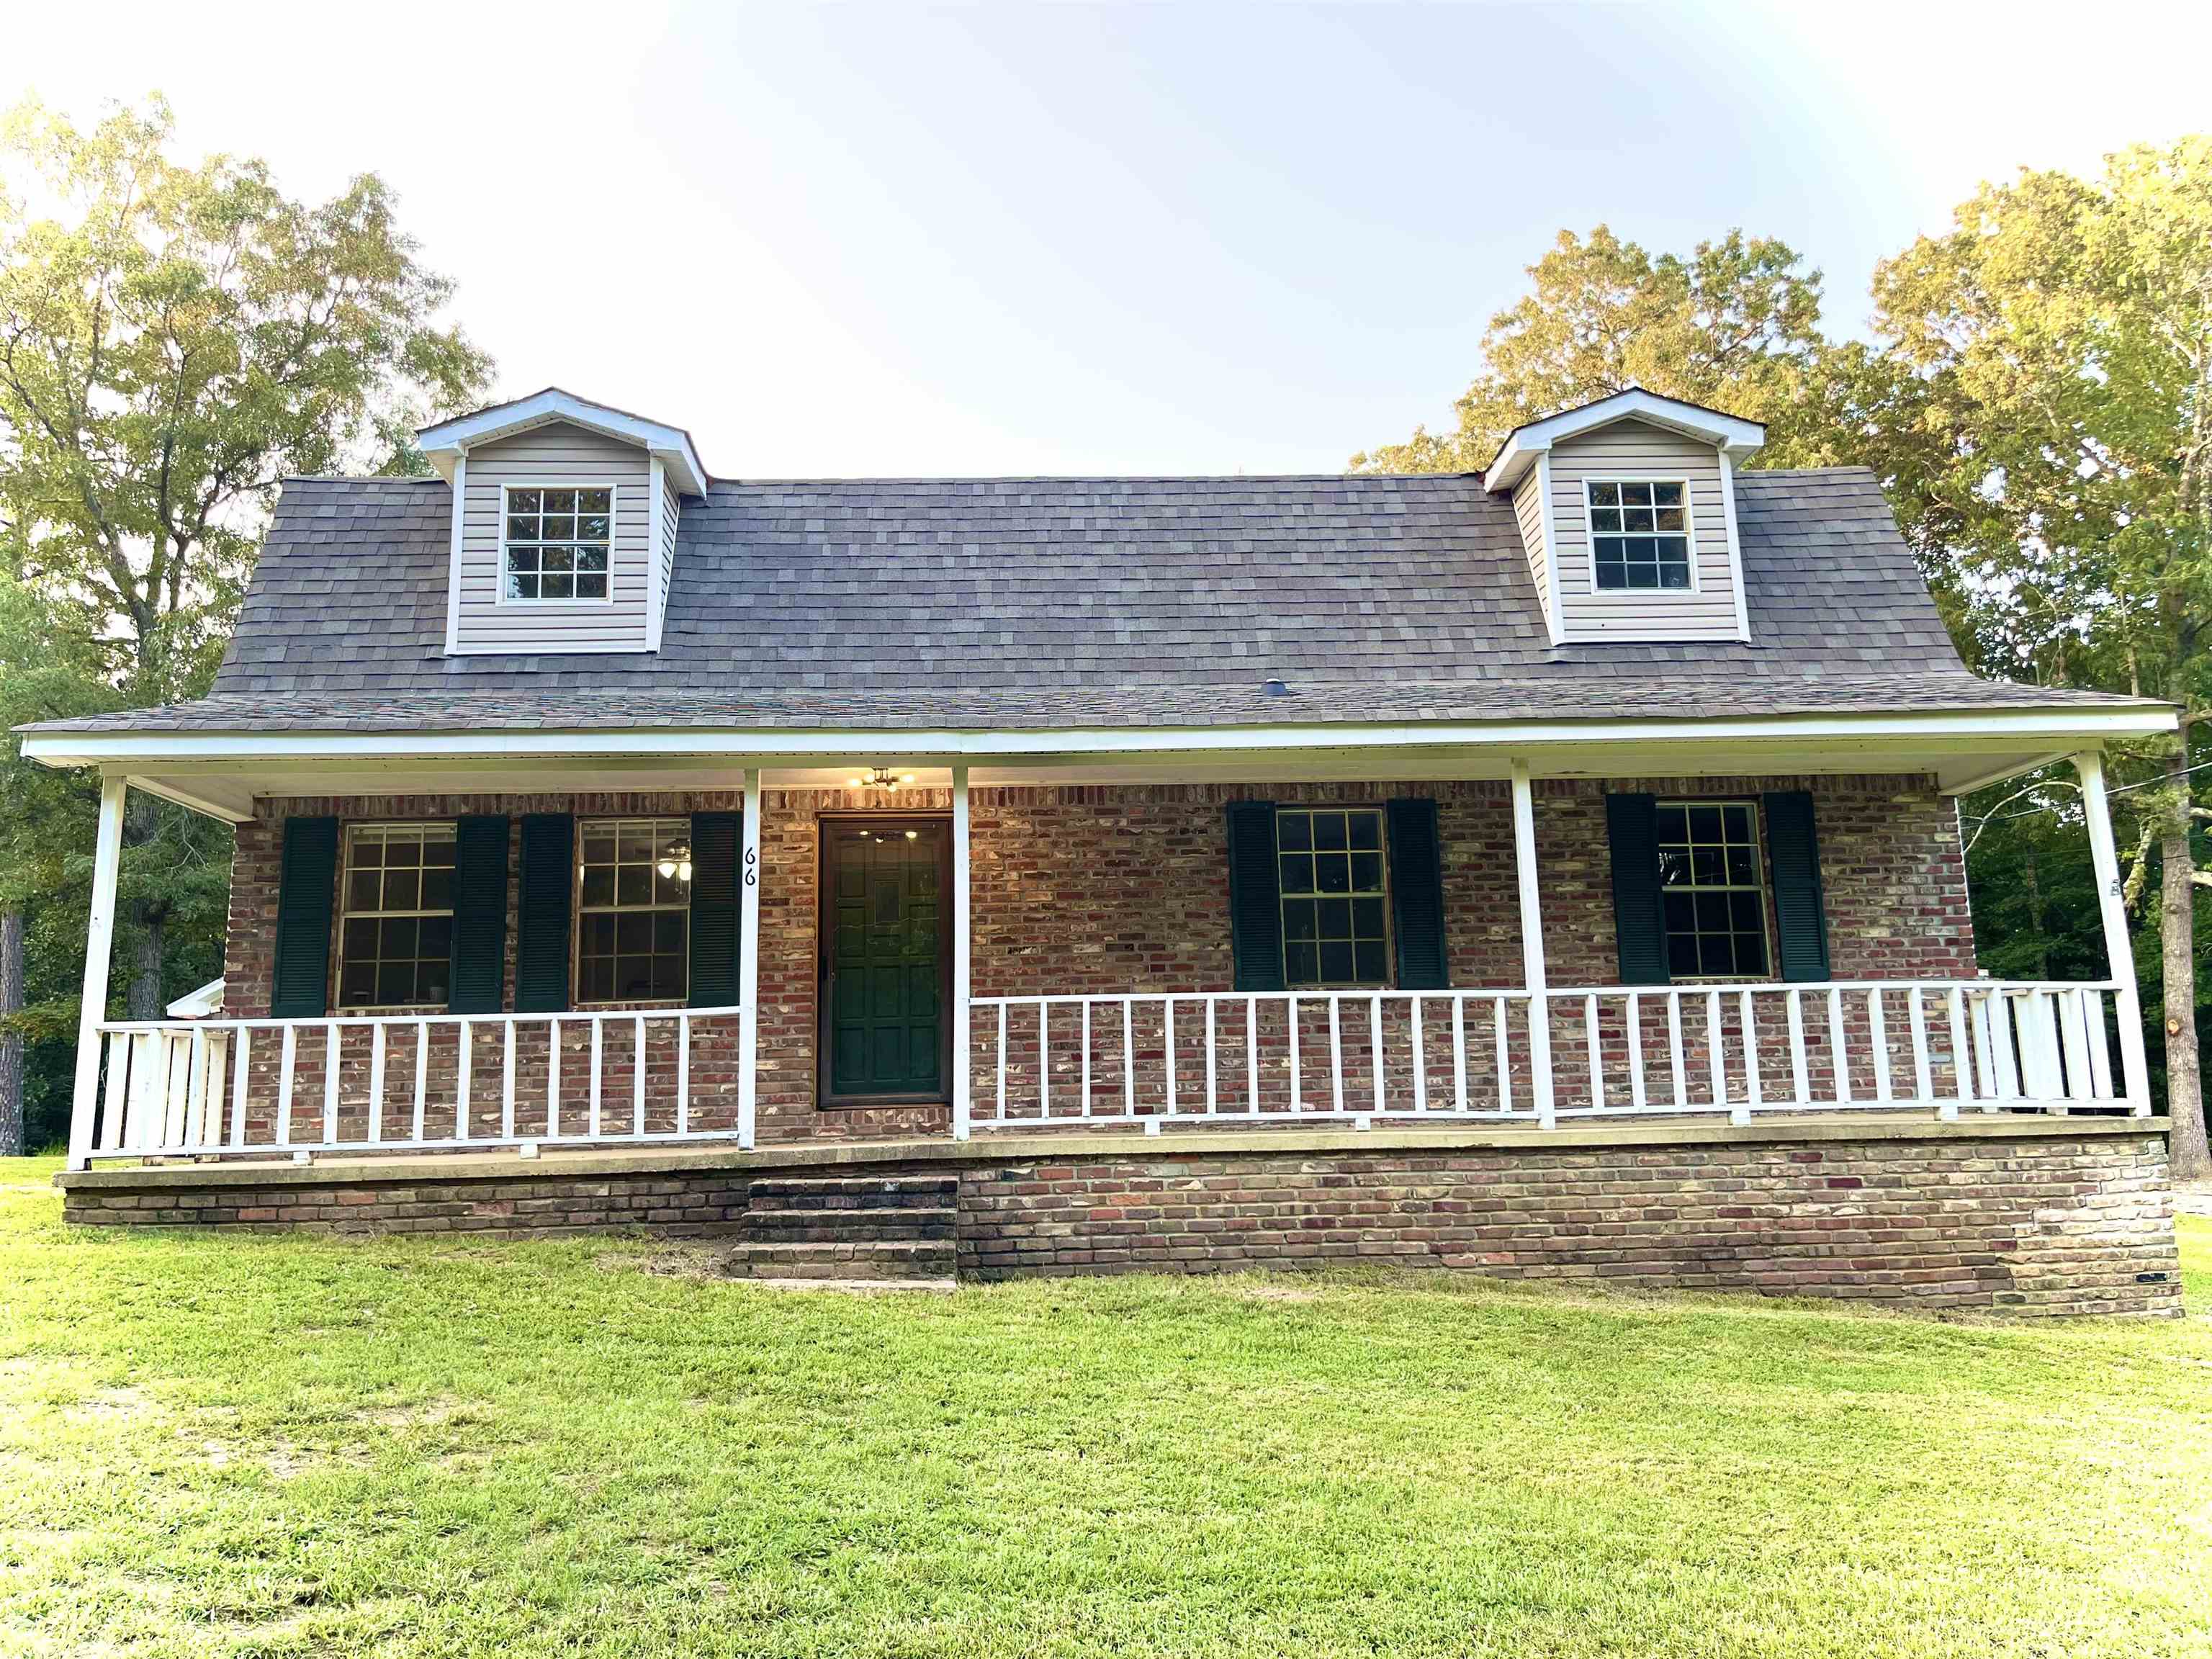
point(1055, 1145)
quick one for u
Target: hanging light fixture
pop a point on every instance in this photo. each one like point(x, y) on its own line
point(879, 777)
point(676, 862)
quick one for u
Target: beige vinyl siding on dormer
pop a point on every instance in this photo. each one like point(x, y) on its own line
point(1633, 449)
point(566, 457)
point(1528, 510)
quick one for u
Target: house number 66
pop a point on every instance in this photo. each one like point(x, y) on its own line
point(752, 874)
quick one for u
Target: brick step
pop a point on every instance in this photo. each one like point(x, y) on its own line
point(848, 1192)
point(830, 1226)
point(846, 1259)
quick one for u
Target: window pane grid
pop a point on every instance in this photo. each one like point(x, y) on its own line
point(558, 543)
point(1335, 917)
point(396, 932)
point(634, 910)
point(1711, 888)
point(1640, 533)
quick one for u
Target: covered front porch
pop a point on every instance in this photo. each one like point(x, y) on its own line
point(1078, 964)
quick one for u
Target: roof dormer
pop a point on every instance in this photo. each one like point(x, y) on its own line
point(563, 527)
point(1627, 513)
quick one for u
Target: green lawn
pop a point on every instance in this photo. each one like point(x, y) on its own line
point(447, 1447)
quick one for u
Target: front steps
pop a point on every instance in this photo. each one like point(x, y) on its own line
point(835, 1230)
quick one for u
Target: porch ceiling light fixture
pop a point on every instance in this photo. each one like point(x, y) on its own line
point(676, 862)
point(879, 777)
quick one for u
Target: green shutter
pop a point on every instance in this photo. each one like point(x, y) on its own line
point(714, 839)
point(1793, 853)
point(479, 914)
point(541, 929)
point(1255, 901)
point(306, 878)
point(1417, 895)
point(1640, 917)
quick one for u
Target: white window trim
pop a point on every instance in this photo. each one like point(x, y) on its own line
point(502, 601)
point(576, 999)
point(347, 913)
point(1590, 534)
point(1382, 846)
point(1760, 884)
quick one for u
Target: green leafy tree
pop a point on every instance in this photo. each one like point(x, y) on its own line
point(2041, 407)
point(1734, 326)
point(175, 339)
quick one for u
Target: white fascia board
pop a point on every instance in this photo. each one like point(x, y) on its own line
point(440, 443)
point(2050, 724)
point(1735, 437)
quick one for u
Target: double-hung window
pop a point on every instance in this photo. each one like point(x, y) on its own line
point(396, 936)
point(556, 544)
point(1335, 911)
point(634, 910)
point(1710, 885)
point(1640, 533)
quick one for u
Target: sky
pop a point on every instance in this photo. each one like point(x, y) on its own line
point(989, 239)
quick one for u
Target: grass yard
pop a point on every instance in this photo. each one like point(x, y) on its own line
point(448, 1447)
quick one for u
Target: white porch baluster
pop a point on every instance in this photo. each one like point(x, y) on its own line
point(376, 1083)
point(284, 1084)
point(1636, 1089)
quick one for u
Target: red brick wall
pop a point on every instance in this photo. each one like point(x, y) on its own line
point(1124, 889)
point(2069, 1222)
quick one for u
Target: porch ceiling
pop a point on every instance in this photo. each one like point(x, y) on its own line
point(224, 775)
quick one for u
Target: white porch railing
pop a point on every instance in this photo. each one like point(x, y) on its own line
point(1732, 1050)
point(413, 1083)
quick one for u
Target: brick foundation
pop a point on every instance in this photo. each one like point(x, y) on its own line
point(2043, 1216)
point(1125, 890)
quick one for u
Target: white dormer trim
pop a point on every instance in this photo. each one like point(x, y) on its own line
point(443, 444)
point(1553, 608)
point(459, 476)
point(656, 603)
point(1734, 545)
point(1524, 445)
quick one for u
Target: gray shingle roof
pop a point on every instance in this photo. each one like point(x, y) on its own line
point(896, 603)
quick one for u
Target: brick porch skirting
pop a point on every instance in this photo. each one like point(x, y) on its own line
point(2045, 1216)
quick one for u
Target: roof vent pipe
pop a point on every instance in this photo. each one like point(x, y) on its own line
point(1275, 688)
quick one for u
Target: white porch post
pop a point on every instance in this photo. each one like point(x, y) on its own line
point(2104, 861)
point(749, 960)
point(100, 936)
point(960, 989)
point(1532, 945)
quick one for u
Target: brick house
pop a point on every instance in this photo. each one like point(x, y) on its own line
point(1553, 871)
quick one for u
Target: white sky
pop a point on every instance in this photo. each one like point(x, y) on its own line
point(886, 240)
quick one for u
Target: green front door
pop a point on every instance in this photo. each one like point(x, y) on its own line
point(882, 885)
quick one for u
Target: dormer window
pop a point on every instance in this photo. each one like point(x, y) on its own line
point(558, 543)
point(1640, 533)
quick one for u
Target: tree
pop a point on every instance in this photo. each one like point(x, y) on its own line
point(2041, 407)
point(174, 340)
point(1735, 326)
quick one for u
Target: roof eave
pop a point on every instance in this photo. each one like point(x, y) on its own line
point(1731, 434)
point(446, 441)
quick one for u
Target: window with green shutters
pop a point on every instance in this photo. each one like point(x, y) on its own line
point(634, 910)
point(1711, 889)
point(1335, 896)
point(396, 936)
